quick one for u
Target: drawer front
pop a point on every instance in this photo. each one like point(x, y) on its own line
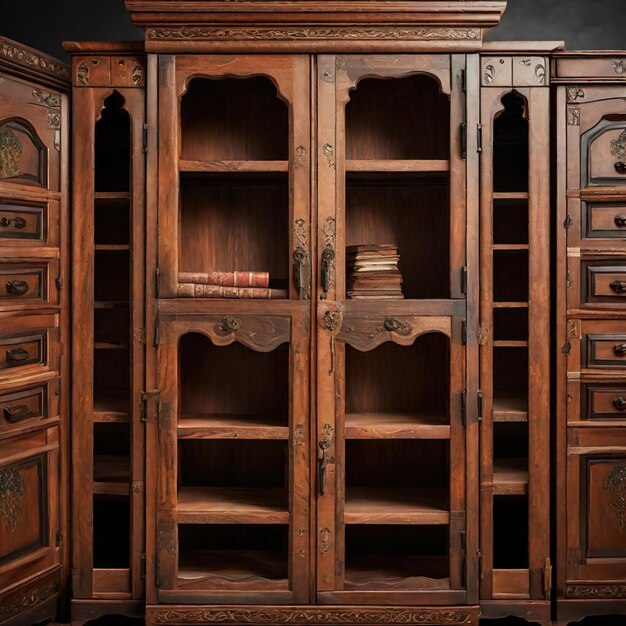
point(28, 343)
point(605, 401)
point(29, 283)
point(605, 351)
point(604, 221)
point(28, 223)
point(25, 405)
point(610, 67)
point(602, 282)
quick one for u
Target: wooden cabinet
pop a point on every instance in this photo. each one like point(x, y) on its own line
point(590, 336)
point(34, 324)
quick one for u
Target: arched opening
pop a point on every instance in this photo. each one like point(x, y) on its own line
point(22, 154)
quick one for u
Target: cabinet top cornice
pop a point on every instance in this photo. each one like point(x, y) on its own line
point(309, 25)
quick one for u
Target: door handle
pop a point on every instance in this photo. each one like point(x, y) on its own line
point(620, 349)
point(619, 403)
point(16, 287)
point(618, 286)
point(321, 466)
point(17, 355)
point(17, 413)
point(328, 258)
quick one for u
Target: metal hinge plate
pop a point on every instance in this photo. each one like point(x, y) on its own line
point(568, 222)
point(464, 273)
point(59, 282)
point(145, 138)
point(479, 138)
point(145, 397)
point(463, 140)
point(480, 406)
point(566, 348)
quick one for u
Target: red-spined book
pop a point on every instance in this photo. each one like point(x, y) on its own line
point(226, 279)
point(194, 290)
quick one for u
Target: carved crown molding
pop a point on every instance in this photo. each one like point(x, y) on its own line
point(305, 615)
point(596, 592)
point(15, 56)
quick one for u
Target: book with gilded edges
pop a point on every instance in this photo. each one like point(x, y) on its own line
point(226, 279)
point(195, 290)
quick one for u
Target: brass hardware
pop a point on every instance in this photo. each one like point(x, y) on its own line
point(17, 355)
point(16, 287)
point(332, 322)
point(620, 221)
point(10, 153)
point(328, 258)
point(619, 403)
point(620, 167)
point(11, 496)
point(301, 273)
point(329, 153)
point(615, 484)
point(145, 396)
point(229, 324)
point(20, 222)
point(618, 286)
point(321, 466)
point(299, 281)
point(620, 349)
point(397, 326)
point(17, 413)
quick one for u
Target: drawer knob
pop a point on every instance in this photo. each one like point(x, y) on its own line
point(17, 355)
point(17, 413)
point(619, 403)
point(620, 167)
point(16, 222)
point(618, 286)
point(620, 221)
point(16, 287)
point(620, 349)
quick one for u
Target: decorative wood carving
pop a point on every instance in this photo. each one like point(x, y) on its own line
point(82, 74)
point(137, 74)
point(596, 592)
point(46, 99)
point(208, 33)
point(298, 435)
point(618, 150)
point(54, 119)
point(271, 616)
point(573, 115)
point(366, 332)
point(619, 67)
point(31, 59)
point(324, 540)
point(26, 598)
point(11, 496)
point(616, 486)
point(10, 153)
point(574, 93)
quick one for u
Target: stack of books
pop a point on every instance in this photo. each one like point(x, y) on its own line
point(373, 272)
point(227, 285)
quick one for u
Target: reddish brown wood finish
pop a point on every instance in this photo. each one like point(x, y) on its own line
point(33, 334)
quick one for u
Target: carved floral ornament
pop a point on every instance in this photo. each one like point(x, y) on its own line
point(11, 497)
point(615, 484)
point(29, 58)
point(207, 33)
point(10, 153)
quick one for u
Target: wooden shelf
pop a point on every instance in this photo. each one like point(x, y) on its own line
point(375, 572)
point(398, 166)
point(395, 506)
point(510, 477)
point(111, 468)
point(226, 505)
point(103, 488)
point(510, 344)
point(246, 167)
point(510, 246)
point(105, 247)
point(510, 195)
point(396, 426)
point(110, 304)
point(232, 569)
point(510, 305)
point(111, 408)
point(105, 345)
point(112, 195)
point(232, 427)
point(510, 407)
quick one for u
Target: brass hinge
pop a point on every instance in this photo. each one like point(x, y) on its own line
point(463, 131)
point(145, 138)
point(464, 407)
point(480, 406)
point(157, 276)
point(59, 282)
point(566, 348)
point(547, 579)
point(464, 273)
point(143, 566)
point(479, 138)
point(58, 538)
point(568, 222)
point(145, 396)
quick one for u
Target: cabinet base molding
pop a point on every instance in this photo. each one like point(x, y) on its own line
point(33, 601)
point(86, 610)
point(346, 615)
point(530, 610)
point(577, 610)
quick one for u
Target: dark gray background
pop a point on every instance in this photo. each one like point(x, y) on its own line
point(583, 24)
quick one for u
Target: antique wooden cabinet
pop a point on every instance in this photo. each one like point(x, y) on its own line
point(591, 448)
point(34, 325)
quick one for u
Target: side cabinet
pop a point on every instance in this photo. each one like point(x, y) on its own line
point(514, 337)
point(108, 287)
point(591, 336)
point(34, 327)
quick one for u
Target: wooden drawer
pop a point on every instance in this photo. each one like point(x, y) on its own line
point(29, 224)
point(28, 282)
point(605, 351)
point(597, 224)
point(608, 67)
point(605, 401)
point(597, 282)
point(25, 405)
point(28, 345)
